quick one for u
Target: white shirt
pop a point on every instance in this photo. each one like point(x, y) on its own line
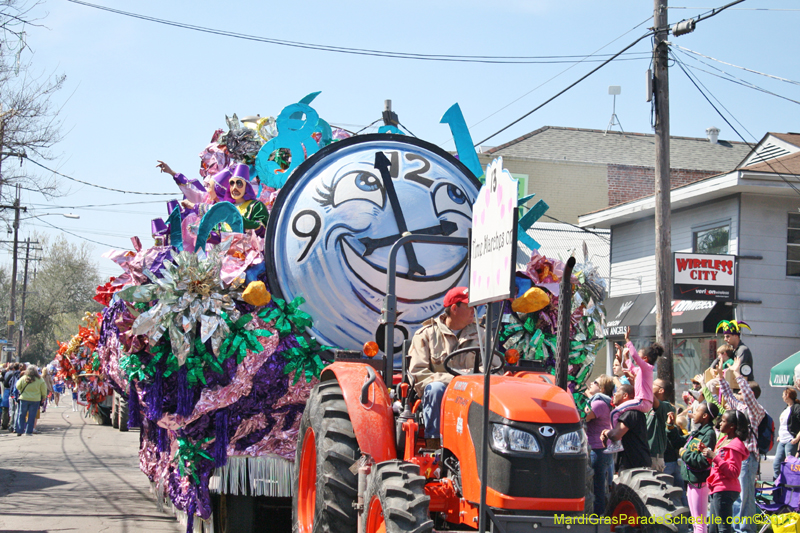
point(783, 433)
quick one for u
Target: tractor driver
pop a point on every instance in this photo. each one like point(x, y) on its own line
point(435, 340)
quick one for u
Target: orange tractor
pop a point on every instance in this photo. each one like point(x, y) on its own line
point(362, 465)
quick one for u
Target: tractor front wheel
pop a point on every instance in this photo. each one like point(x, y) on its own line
point(395, 500)
point(648, 501)
point(324, 486)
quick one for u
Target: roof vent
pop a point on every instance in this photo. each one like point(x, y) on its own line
point(712, 134)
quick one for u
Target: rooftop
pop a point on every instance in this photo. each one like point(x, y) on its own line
point(617, 148)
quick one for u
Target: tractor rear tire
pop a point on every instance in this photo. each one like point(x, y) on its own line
point(395, 500)
point(324, 487)
point(644, 493)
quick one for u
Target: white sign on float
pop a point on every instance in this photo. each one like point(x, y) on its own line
point(494, 241)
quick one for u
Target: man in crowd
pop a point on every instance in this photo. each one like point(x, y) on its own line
point(432, 343)
point(745, 401)
point(9, 382)
point(631, 427)
point(732, 333)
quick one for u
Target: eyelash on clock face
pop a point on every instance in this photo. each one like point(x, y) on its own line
point(325, 193)
point(354, 185)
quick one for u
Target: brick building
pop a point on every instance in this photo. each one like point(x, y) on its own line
point(578, 171)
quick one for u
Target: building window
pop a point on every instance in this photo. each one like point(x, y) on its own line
point(712, 239)
point(793, 246)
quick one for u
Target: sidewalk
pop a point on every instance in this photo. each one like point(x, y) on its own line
point(76, 476)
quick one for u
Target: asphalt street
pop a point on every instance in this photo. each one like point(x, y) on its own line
point(76, 475)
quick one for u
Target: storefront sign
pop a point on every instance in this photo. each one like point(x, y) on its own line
point(704, 277)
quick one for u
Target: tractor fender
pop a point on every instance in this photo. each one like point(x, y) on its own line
point(373, 422)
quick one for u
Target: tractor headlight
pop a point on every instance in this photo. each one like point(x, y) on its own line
point(572, 443)
point(505, 439)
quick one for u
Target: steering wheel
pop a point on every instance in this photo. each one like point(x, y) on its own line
point(493, 370)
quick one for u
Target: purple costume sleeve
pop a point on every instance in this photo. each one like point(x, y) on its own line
point(193, 190)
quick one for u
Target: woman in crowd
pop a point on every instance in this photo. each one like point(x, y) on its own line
point(788, 431)
point(48, 381)
point(726, 464)
point(598, 418)
point(32, 390)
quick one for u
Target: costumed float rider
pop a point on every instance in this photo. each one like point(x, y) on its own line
point(199, 197)
point(732, 333)
point(254, 213)
point(432, 343)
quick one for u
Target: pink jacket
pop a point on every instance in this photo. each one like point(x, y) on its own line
point(643, 384)
point(727, 465)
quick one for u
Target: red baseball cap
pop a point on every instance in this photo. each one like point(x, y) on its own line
point(455, 295)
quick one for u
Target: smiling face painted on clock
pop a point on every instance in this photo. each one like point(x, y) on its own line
point(334, 223)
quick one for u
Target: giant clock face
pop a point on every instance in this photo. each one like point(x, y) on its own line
point(335, 220)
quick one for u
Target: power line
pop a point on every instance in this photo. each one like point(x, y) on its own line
point(94, 184)
point(521, 60)
point(744, 83)
point(604, 63)
point(741, 8)
point(768, 163)
point(736, 66)
point(78, 236)
point(95, 205)
point(598, 235)
point(559, 74)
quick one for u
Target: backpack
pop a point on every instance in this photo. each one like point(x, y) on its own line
point(765, 437)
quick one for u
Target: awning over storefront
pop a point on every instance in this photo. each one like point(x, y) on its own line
point(688, 317)
point(782, 374)
point(626, 311)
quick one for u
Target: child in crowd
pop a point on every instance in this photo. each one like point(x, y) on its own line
point(642, 374)
point(695, 468)
point(726, 464)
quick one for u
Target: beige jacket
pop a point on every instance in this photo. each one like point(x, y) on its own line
point(429, 347)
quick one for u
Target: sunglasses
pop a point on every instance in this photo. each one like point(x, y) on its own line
point(236, 183)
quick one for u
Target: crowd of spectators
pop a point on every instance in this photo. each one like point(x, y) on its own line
point(26, 393)
point(709, 447)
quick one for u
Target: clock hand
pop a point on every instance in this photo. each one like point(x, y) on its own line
point(382, 163)
point(444, 228)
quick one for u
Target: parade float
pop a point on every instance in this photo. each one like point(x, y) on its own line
point(271, 264)
point(77, 363)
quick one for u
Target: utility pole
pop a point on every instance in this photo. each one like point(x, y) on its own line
point(12, 315)
point(663, 253)
point(24, 294)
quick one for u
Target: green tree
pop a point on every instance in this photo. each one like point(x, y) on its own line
point(58, 297)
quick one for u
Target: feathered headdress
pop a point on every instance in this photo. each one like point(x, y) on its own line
point(732, 326)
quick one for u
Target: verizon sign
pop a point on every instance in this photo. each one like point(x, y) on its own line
point(704, 277)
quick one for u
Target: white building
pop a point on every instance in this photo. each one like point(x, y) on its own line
point(752, 212)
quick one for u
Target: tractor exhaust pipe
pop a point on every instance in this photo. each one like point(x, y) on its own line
point(363, 471)
point(564, 316)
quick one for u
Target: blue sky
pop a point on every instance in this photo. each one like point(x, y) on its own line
point(138, 91)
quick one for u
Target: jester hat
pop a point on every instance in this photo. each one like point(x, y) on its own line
point(732, 326)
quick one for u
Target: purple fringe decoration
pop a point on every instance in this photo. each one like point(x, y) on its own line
point(220, 450)
point(154, 408)
point(190, 515)
point(184, 393)
point(134, 409)
point(162, 439)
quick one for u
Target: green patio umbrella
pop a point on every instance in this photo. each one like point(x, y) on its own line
point(782, 374)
